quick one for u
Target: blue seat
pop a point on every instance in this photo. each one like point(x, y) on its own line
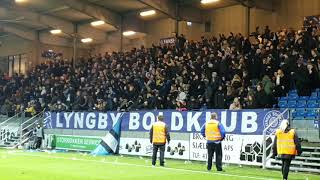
point(303, 97)
point(299, 114)
point(311, 114)
point(284, 98)
point(314, 94)
point(282, 104)
point(301, 104)
point(292, 104)
point(314, 98)
point(318, 90)
point(312, 104)
point(293, 97)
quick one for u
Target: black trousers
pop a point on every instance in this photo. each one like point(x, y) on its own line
point(285, 168)
point(214, 148)
point(154, 154)
point(38, 143)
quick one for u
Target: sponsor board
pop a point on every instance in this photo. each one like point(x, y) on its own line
point(142, 147)
point(246, 122)
point(80, 143)
point(236, 149)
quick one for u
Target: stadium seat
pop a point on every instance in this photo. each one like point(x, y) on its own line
point(314, 94)
point(311, 114)
point(299, 114)
point(293, 97)
point(285, 98)
point(314, 98)
point(282, 104)
point(301, 104)
point(292, 104)
point(303, 97)
point(312, 104)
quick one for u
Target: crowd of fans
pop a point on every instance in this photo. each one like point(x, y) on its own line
point(226, 72)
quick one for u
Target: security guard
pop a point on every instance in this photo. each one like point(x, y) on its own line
point(287, 146)
point(214, 132)
point(159, 135)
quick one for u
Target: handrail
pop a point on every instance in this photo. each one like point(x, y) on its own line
point(10, 118)
point(22, 140)
point(32, 117)
point(264, 156)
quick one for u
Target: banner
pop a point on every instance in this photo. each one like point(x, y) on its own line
point(177, 149)
point(236, 149)
point(169, 40)
point(80, 143)
point(248, 122)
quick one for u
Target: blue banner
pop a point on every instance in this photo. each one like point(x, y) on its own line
point(251, 122)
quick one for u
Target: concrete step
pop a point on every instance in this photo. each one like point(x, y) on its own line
point(295, 163)
point(296, 169)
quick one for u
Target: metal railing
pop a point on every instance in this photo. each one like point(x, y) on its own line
point(264, 157)
point(27, 127)
point(5, 125)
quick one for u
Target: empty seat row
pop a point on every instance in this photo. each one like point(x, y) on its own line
point(302, 113)
point(299, 103)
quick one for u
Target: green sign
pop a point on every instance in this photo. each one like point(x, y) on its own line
point(76, 142)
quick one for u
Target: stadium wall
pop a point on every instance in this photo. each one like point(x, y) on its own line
point(290, 13)
point(13, 45)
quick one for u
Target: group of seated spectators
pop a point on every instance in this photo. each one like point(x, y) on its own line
point(228, 72)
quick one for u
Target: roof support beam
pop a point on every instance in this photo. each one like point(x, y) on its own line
point(28, 35)
point(49, 21)
point(164, 6)
point(173, 10)
point(95, 11)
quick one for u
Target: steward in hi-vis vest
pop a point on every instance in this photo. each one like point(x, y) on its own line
point(159, 135)
point(286, 145)
point(214, 132)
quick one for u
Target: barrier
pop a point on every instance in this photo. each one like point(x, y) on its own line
point(244, 128)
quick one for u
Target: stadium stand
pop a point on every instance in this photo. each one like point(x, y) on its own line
point(192, 75)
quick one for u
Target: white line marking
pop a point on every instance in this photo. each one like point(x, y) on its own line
point(139, 165)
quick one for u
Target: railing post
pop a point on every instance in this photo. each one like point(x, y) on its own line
point(264, 156)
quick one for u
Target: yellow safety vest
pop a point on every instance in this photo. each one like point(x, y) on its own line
point(213, 131)
point(285, 142)
point(159, 134)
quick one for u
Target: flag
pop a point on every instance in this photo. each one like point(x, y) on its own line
point(110, 143)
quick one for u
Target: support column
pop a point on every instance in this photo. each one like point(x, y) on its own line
point(248, 20)
point(75, 36)
point(36, 53)
point(177, 19)
point(121, 35)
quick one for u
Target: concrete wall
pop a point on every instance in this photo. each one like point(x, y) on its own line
point(226, 20)
point(262, 18)
point(290, 13)
point(13, 45)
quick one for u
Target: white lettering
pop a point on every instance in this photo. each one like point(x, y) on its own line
point(174, 117)
point(134, 121)
point(249, 118)
point(102, 121)
point(78, 120)
point(193, 121)
point(67, 117)
point(115, 118)
point(59, 124)
point(233, 122)
point(148, 115)
point(91, 120)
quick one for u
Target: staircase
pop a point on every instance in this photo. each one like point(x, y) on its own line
point(309, 161)
point(11, 141)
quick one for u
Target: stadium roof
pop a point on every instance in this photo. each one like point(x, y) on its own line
point(43, 15)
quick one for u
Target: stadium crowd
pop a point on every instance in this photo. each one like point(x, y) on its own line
point(226, 72)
